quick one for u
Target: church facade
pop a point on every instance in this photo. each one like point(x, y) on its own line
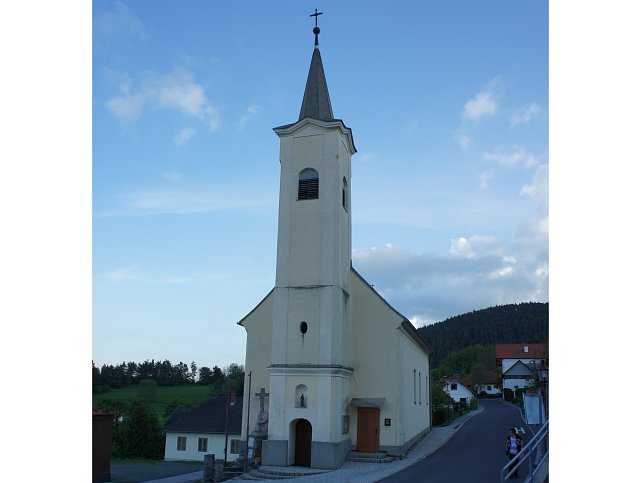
point(339, 369)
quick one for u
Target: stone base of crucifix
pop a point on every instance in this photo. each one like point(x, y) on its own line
point(260, 432)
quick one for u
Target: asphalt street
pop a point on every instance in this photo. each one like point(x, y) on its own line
point(475, 454)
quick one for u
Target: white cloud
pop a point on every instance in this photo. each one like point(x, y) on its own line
point(250, 112)
point(180, 200)
point(125, 108)
point(476, 272)
point(121, 22)
point(366, 156)
point(132, 274)
point(184, 136)
point(474, 246)
point(484, 177)
point(484, 104)
point(462, 139)
point(526, 114)
point(511, 157)
point(538, 188)
point(176, 90)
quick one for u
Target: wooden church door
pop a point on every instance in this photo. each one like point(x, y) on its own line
point(368, 430)
point(303, 437)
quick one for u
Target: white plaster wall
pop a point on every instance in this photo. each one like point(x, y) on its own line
point(382, 357)
point(459, 392)
point(415, 406)
point(259, 328)
point(326, 396)
point(508, 363)
point(216, 443)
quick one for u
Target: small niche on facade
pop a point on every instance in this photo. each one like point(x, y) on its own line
point(301, 396)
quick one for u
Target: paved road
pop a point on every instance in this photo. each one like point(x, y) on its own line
point(475, 454)
point(130, 472)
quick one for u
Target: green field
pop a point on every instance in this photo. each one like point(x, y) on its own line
point(191, 394)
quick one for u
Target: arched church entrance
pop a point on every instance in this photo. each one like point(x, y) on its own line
point(303, 437)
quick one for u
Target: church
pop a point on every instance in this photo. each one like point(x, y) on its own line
point(331, 367)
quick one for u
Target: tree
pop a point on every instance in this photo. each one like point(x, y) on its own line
point(235, 376)
point(193, 372)
point(140, 435)
point(205, 376)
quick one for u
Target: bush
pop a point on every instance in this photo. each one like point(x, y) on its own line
point(441, 415)
point(508, 394)
point(482, 395)
point(140, 434)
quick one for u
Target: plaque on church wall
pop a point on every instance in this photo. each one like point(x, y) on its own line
point(387, 422)
point(345, 423)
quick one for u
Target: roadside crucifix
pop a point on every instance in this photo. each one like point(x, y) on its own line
point(262, 394)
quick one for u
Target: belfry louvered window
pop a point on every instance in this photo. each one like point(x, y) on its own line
point(308, 186)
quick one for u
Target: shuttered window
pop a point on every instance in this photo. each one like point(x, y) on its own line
point(308, 186)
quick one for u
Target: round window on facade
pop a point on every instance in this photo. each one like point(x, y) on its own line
point(304, 327)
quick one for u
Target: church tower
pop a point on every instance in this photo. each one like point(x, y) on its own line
point(310, 368)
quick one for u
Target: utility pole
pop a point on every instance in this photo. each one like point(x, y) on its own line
point(250, 378)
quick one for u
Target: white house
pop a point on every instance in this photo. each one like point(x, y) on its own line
point(518, 376)
point(190, 433)
point(518, 363)
point(458, 391)
point(342, 368)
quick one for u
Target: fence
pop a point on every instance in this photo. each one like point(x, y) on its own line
point(535, 453)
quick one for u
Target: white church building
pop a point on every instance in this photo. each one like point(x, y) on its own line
point(342, 369)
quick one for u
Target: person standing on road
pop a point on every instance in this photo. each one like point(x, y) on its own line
point(512, 448)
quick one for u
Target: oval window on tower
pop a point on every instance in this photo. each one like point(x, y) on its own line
point(304, 327)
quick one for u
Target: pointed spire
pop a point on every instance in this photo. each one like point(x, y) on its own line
point(316, 103)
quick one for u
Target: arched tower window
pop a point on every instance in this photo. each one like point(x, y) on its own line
point(345, 193)
point(308, 185)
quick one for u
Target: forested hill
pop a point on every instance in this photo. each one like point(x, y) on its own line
point(503, 324)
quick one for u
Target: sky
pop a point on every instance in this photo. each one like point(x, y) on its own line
point(448, 103)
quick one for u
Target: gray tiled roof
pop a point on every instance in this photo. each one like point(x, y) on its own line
point(316, 103)
point(209, 417)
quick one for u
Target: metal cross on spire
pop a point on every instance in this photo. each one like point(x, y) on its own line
point(316, 16)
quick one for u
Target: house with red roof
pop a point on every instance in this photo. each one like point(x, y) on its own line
point(518, 363)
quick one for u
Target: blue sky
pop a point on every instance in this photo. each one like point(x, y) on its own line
point(448, 103)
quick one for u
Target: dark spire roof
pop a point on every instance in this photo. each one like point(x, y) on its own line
point(316, 103)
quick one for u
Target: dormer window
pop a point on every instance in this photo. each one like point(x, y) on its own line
point(525, 349)
point(308, 185)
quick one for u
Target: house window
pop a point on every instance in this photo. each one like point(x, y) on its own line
point(489, 388)
point(203, 445)
point(235, 446)
point(181, 443)
point(420, 394)
point(453, 387)
point(308, 185)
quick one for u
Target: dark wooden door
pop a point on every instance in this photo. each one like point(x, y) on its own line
point(303, 436)
point(368, 430)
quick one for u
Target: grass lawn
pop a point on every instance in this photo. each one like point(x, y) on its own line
point(189, 394)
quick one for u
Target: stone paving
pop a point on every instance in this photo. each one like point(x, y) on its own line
point(352, 472)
